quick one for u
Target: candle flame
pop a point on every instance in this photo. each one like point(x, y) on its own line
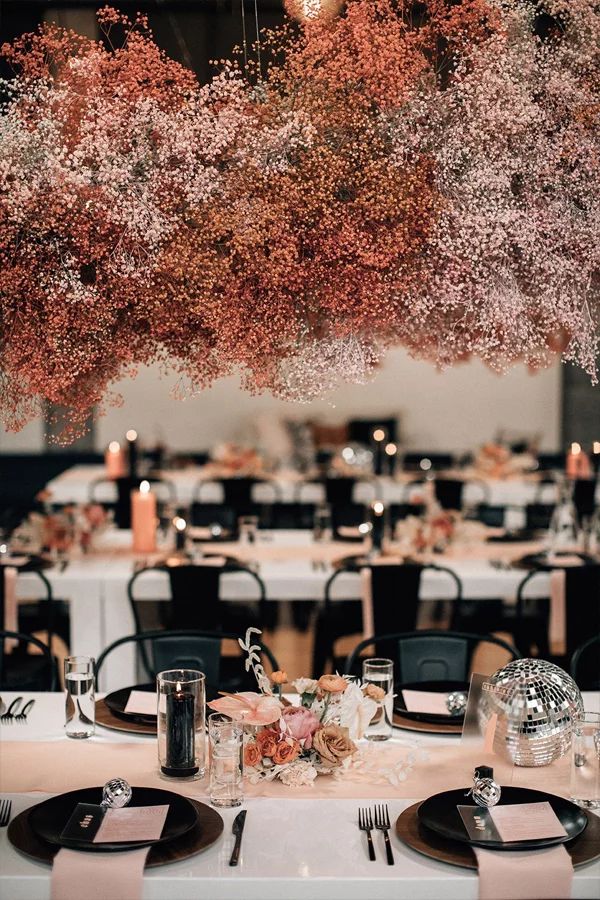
point(378, 508)
point(596, 447)
point(131, 435)
point(179, 523)
point(145, 487)
point(178, 687)
point(390, 449)
point(425, 464)
point(379, 434)
point(575, 448)
point(364, 528)
point(114, 447)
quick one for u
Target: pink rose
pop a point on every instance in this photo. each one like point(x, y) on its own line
point(301, 723)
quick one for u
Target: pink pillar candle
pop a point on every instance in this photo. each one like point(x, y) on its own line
point(143, 519)
point(114, 460)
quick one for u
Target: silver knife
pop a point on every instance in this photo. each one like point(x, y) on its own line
point(238, 828)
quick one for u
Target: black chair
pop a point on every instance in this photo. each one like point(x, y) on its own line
point(428, 655)
point(195, 599)
point(550, 461)
point(585, 665)
point(193, 649)
point(205, 514)
point(395, 593)
point(34, 615)
point(238, 493)
point(23, 671)
point(584, 497)
point(582, 620)
point(449, 493)
point(538, 516)
point(290, 515)
point(124, 486)
point(423, 461)
point(492, 516)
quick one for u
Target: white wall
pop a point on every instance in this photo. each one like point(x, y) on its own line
point(456, 409)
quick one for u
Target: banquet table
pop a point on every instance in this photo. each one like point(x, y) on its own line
point(73, 486)
point(291, 564)
point(294, 846)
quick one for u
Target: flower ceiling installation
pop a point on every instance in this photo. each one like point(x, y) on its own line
point(424, 175)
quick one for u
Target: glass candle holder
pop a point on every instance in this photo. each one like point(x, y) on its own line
point(181, 721)
point(585, 761)
point(80, 705)
point(379, 673)
point(226, 738)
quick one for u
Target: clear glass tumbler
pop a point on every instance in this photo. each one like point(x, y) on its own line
point(380, 674)
point(80, 710)
point(322, 530)
point(585, 761)
point(181, 723)
point(226, 738)
point(248, 529)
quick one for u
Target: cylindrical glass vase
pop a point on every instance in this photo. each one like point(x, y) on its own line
point(181, 724)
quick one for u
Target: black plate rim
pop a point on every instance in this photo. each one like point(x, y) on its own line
point(120, 713)
point(108, 847)
point(537, 844)
point(430, 718)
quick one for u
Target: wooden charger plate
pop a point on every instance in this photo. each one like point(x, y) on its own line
point(106, 718)
point(583, 849)
point(400, 721)
point(207, 830)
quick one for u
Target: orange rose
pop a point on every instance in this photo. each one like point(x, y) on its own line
point(267, 742)
point(332, 684)
point(252, 754)
point(279, 677)
point(286, 752)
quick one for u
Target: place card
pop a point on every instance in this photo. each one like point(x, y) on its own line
point(511, 823)
point(426, 702)
point(141, 703)
point(133, 823)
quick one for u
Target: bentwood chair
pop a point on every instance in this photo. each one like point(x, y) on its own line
point(430, 655)
point(194, 649)
point(395, 597)
point(27, 665)
point(585, 665)
point(37, 618)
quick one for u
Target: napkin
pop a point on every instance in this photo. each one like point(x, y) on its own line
point(98, 876)
point(11, 619)
point(524, 874)
point(557, 625)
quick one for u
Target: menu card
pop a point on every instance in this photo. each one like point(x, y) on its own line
point(90, 822)
point(426, 702)
point(141, 703)
point(511, 823)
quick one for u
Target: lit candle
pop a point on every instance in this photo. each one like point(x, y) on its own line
point(180, 526)
point(379, 436)
point(377, 524)
point(578, 463)
point(180, 734)
point(132, 451)
point(143, 519)
point(114, 460)
point(596, 456)
point(390, 452)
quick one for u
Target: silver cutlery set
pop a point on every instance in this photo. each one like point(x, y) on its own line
point(5, 811)
point(15, 715)
point(379, 820)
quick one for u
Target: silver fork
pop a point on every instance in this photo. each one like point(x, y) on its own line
point(9, 716)
point(21, 718)
point(365, 823)
point(5, 810)
point(382, 823)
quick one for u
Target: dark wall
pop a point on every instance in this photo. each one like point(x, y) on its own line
point(580, 407)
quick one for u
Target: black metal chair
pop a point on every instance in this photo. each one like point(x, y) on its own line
point(291, 515)
point(584, 497)
point(23, 671)
point(582, 619)
point(585, 665)
point(395, 594)
point(39, 616)
point(422, 461)
point(548, 462)
point(238, 493)
point(492, 516)
point(192, 649)
point(427, 655)
point(165, 491)
point(538, 516)
point(205, 514)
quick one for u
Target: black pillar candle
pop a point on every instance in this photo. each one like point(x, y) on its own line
point(180, 735)
point(379, 436)
point(180, 533)
point(132, 452)
point(377, 525)
point(390, 452)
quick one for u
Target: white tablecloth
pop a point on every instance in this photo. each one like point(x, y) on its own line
point(297, 849)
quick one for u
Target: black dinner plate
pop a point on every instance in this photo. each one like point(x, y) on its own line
point(49, 818)
point(440, 814)
point(117, 701)
point(433, 687)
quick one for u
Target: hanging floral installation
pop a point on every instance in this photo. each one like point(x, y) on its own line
point(386, 173)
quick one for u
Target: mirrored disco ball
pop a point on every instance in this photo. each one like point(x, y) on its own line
point(535, 702)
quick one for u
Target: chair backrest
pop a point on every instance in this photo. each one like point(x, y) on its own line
point(538, 516)
point(585, 665)
point(204, 514)
point(449, 492)
point(15, 677)
point(549, 461)
point(194, 594)
point(428, 655)
point(291, 515)
point(340, 491)
point(492, 516)
point(47, 606)
point(238, 493)
point(349, 515)
point(183, 649)
point(123, 488)
point(584, 497)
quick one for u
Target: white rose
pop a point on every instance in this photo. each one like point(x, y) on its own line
point(305, 685)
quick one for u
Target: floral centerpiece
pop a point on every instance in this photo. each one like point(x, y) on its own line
point(297, 743)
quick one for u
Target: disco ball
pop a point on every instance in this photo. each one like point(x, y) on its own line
point(535, 702)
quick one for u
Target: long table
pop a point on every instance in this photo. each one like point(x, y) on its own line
point(301, 849)
point(291, 564)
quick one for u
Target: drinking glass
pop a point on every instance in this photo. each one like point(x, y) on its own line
point(322, 523)
point(563, 533)
point(380, 673)
point(226, 738)
point(585, 761)
point(181, 720)
point(248, 528)
point(80, 712)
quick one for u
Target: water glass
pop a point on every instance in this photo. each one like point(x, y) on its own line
point(248, 529)
point(380, 674)
point(80, 710)
point(181, 720)
point(322, 530)
point(226, 738)
point(585, 761)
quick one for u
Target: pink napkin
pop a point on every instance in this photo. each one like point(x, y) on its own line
point(11, 619)
point(98, 876)
point(558, 610)
point(525, 874)
point(366, 596)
